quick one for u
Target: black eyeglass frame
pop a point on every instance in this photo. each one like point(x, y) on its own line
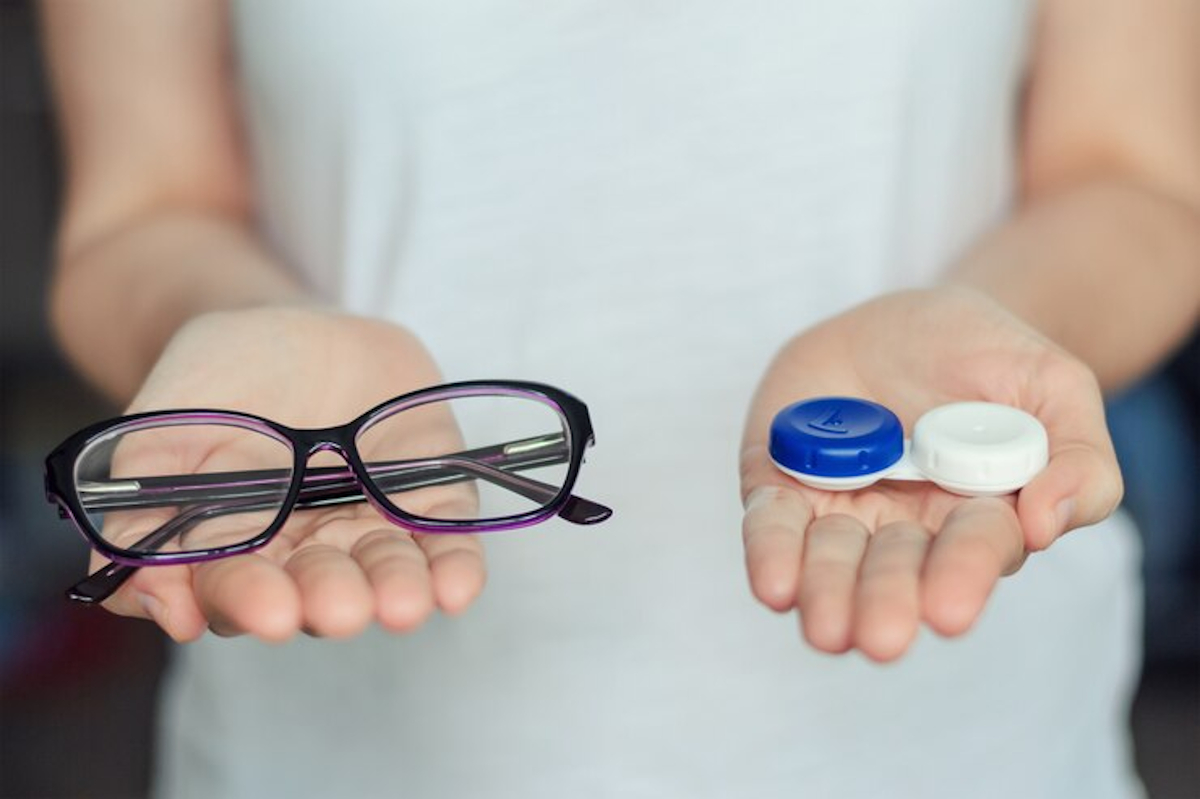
point(62, 488)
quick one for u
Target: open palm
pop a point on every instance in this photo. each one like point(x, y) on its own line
point(330, 571)
point(864, 568)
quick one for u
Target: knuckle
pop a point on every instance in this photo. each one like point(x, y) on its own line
point(899, 534)
point(1067, 370)
point(750, 467)
point(1111, 493)
point(1104, 491)
point(991, 549)
point(122, 605)
point(1115, 490)
point(376, 541)
point(1016, 564)
point(764, 497)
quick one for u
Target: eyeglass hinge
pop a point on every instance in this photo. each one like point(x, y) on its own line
point(114, 487)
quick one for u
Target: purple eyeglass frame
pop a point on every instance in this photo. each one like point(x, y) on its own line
point(321, 486)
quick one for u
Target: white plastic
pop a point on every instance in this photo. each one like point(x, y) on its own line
point(979, 448)
point(835, 483)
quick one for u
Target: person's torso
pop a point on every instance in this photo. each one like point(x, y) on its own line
point(641, 202)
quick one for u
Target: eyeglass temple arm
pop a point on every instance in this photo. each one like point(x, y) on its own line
point(102, 583)
point(529, 453)
point(149, 492)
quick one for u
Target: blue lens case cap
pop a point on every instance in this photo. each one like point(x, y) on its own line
point(836, 437)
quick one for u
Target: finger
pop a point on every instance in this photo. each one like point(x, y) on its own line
point(335, 597)
point(758, 470)
point(833, 550)
point(774, 526)
point(887, 602)
point(164, 595)
point(456, 568)
point(773, 534)
point(248, 594)
point(1080, 486)
point(1082, 482)
point(979, 541)
point(126, 601)
point(398, 573)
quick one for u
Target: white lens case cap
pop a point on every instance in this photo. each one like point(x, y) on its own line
point(979, 448)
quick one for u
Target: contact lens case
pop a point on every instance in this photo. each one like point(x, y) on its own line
point(968, 448)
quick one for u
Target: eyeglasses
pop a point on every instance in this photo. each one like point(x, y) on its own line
point(185, 486)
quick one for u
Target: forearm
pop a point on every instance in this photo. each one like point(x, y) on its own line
point(1108, 270)
point(117, 300)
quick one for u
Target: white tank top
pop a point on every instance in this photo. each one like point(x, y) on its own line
point(640, 202)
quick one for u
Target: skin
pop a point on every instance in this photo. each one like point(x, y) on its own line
point(328, 573)
point(865, 567)
point(1101, 257)
point(1091, 281)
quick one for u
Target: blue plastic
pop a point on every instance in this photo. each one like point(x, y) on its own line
point(836, 437)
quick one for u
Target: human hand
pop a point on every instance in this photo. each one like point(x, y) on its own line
point(329, 571)
point(864, 568)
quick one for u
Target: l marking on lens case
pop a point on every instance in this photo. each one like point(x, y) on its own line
point(968, 448)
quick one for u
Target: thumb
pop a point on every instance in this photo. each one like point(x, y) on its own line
point(164, 595)
point(1080, 486)
point(1082, 482)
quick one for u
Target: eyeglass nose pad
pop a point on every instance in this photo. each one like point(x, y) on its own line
point(318, 447)
point(325, 445)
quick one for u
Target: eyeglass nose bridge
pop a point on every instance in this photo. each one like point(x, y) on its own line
point(340, 440)
point(327, 439)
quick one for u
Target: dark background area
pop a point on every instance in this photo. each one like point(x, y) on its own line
point(78, 686)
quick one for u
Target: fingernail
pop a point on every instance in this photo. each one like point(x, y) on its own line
point(156, 609)
point(1063, 513)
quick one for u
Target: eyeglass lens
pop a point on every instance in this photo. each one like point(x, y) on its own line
point(192, 486)
point(174, 486)
point(468, 458)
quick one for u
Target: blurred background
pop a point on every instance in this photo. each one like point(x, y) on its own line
point(78, 686)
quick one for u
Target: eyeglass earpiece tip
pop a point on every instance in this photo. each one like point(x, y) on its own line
point(583, 511)
point(75, 594)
